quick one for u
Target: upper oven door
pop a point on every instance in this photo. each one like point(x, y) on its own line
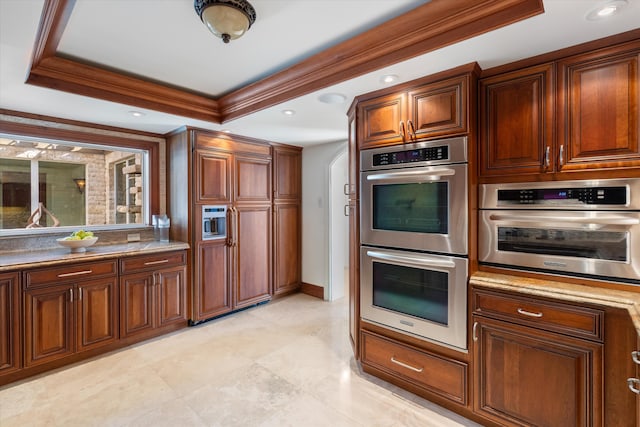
point(422, 208)
point(591, 243)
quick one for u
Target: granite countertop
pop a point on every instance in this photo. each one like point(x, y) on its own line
point(43, 258)
point(563, 291)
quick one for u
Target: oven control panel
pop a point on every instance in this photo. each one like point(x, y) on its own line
point(565, 196)
point(408, 156)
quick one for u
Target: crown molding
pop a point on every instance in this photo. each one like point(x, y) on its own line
point(428, 27)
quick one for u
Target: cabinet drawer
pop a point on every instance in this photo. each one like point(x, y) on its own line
point(69, 273)
point(152, 262)
point(557, 317)
point(447, 378)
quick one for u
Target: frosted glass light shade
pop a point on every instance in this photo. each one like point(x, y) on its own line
point(225, 22)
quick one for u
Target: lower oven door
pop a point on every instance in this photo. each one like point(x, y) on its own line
point(585, 243)
point(424, 295)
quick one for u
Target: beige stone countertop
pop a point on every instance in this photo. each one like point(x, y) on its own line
point(56, 256)
point(563, 291)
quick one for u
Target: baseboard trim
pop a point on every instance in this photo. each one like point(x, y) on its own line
point(313, 290)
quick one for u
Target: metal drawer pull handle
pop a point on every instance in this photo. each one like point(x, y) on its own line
point(77, 273)
point(346, 189)
point(546, 156)
point(404, 365)
point(635, 355)
point(528, 313)
point(162, 261)
point(633, 383)
point(475, 330)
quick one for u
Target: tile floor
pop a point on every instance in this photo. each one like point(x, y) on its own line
point(286, 363)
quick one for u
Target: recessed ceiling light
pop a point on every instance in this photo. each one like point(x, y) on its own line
point(389, 78)
point(332, 98)
point(225, 130)
point(137, 113)
point(288, 112)
point(606, 10)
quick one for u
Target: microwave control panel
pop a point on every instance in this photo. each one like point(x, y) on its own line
point(566, 196)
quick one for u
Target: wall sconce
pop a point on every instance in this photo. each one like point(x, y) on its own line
point(80, 183)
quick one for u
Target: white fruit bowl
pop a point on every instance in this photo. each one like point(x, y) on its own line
point(77, 246)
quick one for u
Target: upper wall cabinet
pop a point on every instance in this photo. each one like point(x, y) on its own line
point(598, 97)
point(578, 113)
point(422, 111)
point(287, 173)
point(516, 121)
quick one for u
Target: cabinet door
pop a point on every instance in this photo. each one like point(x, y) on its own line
point(252, 277)
point(381, 120)
point(516, 122)
point(599, 97)
point(48, 324)
point(97, 322)
point(287, 174)
point(252, 179)
point(527, 377)
point(172, 296)
point(212, 177)
point(438, 109)
point(10, 349)
point(212, 290)
point(137, 304)
point(287, 247)
point(354, 278)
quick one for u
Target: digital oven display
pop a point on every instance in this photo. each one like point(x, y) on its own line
point(555, 194)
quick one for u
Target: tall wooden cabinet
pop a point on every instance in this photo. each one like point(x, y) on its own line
point(10, 342)
point(577, 113)
point(287, 219)
point(210, 168)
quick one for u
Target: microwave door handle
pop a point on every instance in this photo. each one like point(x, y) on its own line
point(422, 261)
point(431, 174)
point(601, 221)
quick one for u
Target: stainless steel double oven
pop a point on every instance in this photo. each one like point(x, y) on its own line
point(414, 235)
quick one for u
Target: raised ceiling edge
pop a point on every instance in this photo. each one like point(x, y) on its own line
point(426, 28)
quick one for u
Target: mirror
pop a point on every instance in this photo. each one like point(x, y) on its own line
point(46, 184)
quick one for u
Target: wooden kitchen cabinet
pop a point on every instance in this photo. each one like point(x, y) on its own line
point(287, 219)
point(153, 293)
point(212, 177)
point(536, 362)
point(212, 281)
point(599, 109)
point(69, 309)
point(425, 108)
point(517, 121)
point(10, 342)
point(572, 114)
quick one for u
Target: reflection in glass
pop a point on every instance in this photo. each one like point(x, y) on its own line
point(38, 174)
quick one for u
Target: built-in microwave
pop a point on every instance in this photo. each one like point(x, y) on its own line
point(585, 228)
point(414, 196)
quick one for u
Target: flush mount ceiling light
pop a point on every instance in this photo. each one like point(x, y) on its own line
point(227, 19)
point(332, 98)
point(606, 10)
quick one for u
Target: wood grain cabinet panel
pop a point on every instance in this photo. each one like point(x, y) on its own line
point(97, 316)
point(252, 255)
point(10, 342)
point(253, 179)
point(212, 176)
point(287, 174)
point(599, 97)
point(212, 289)
point(438, 109)
point(172, 296)
point(382, 120)
point(528, 377)
point(516, 122)
point(136, 303)
point(287, 247)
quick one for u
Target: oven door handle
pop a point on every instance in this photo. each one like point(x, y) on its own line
point(430, 174)
point(544, 219)
point(422, 261)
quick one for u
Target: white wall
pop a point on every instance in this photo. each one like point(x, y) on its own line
point(316, 161)
point(339, 228)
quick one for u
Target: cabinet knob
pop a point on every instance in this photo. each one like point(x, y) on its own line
point(635, 355)
point(634, 385)
point(475, 330)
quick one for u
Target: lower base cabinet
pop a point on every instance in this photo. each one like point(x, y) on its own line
point(153, 293)
point(10, 342)
point(423, 370)
point(533, 364)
